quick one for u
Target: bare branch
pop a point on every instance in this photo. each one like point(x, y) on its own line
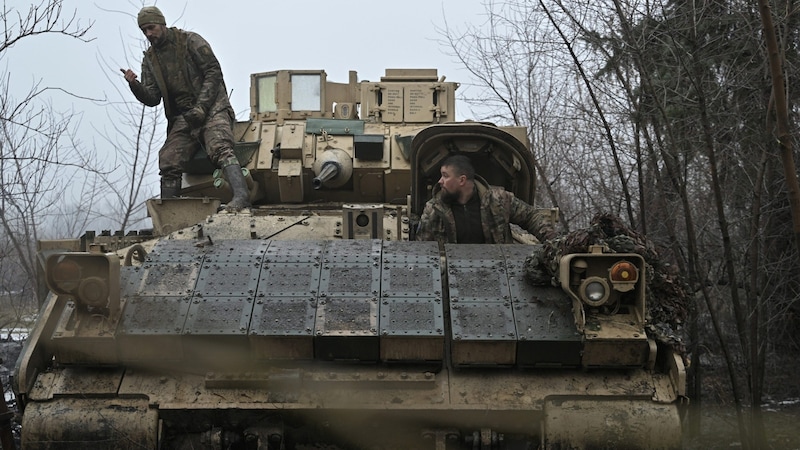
point(44, 18)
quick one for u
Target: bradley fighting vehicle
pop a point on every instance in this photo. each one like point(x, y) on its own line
point(314, 320)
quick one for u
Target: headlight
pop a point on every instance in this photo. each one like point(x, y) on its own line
point(594, 291)
point(93, 291)
point(65, 274)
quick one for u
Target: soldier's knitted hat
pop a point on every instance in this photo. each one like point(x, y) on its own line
point(151, 14)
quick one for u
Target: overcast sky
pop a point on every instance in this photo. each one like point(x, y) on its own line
point(247, 36)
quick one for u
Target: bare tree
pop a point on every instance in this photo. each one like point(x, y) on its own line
point(656, 109)
point(134, 138)
point(525, 75)
point(40, 157)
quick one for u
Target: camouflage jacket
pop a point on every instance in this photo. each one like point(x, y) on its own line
point(185, 73)
point(498, 208)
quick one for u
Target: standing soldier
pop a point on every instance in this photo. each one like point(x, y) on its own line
point(180, 67)
point(468, 210)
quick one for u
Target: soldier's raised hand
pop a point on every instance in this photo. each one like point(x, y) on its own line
point(130, 76)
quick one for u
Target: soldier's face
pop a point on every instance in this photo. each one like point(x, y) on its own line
point(154, 32)
point(450, 182)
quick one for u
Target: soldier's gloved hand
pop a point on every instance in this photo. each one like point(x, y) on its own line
point(195, 117)
point(550, 234)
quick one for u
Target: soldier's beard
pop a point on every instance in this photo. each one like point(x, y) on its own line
point(449, 198)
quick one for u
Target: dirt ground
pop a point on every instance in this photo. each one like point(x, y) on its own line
point(9, 351)
point(719, 425)
point(720, 429)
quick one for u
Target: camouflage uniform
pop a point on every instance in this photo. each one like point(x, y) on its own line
point(498, 208)
point(186, 74)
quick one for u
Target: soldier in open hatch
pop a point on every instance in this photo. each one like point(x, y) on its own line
point(468, 210)
point(180, 67)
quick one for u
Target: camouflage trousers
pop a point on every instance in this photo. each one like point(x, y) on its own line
point(183, 142)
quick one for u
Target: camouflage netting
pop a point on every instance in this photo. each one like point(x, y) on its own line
point(666, 293)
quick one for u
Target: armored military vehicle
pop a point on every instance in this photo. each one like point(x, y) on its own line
point(315, 320)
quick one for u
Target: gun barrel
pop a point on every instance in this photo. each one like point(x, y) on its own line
point(329, 171)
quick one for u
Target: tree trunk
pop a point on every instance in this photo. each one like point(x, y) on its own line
point(782, 117)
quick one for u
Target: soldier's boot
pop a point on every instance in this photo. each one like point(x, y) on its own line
point(170, 188)
point(241, 195)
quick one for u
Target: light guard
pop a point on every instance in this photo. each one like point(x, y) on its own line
point(91, 279)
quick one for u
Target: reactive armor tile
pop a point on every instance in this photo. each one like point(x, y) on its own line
point(227, 279)
point(412, 329)
point(411, 280)
point(283, 328)
point(524, 292)
point(458, 254)
point(350, 279)
point(547, 333)
point(289, 315)
point(151, 328)
point(289, 279)
point(413, 251)
point(216, 330)
point(485, 282)
point(515, 256)
point(219, 316)
point(483, 333)
point(294, 251)
point(347, 328)
point(154, 315)
point(353, 251)
point(412, 317)
point(130, 278)
point(168, 279)
point(236, 251)
point(176, 250)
